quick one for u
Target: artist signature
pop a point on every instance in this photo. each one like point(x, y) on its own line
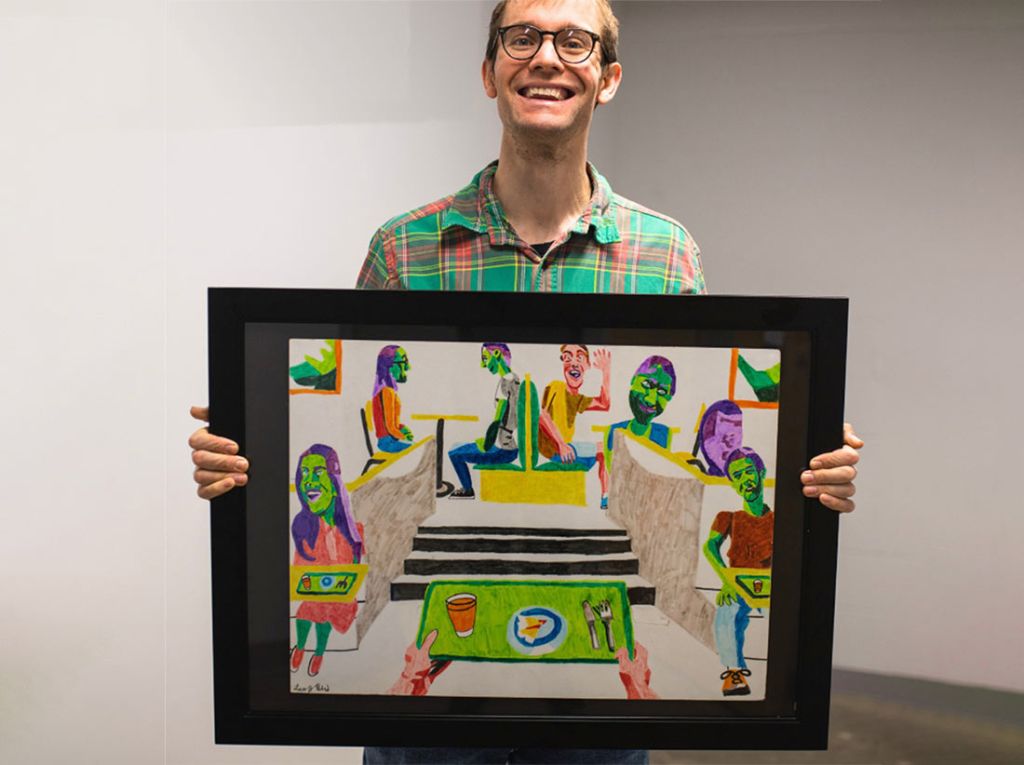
point(313, 688)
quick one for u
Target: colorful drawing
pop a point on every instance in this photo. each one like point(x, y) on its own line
point(498, 446)
point(525, 569)
point(318, 375)
point(719, 433)
point(324, 533)
point(765, 382)
point(750, 533)
point(562, 402)
point(392, 370)
point(653, 385)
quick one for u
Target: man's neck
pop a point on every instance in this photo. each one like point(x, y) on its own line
point(543, 188)
point(756, 508)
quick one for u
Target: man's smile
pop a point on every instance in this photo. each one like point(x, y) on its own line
point(545, 93)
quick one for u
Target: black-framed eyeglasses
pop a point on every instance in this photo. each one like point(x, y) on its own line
point(573, 46)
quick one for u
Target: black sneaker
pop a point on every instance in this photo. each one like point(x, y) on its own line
point(462, 494)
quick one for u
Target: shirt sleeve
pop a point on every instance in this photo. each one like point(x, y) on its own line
point(722, 523)
point(374, 272)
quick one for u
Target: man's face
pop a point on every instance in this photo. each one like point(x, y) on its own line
point(400, 366)
point(575, 364)
point(316, 486)
point(649, 394)
point(544, 96)
point(491, 360)
point(746, 479)
point(726, 435)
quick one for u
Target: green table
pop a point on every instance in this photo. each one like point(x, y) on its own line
point(529, 620)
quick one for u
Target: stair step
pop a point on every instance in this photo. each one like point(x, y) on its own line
point(523, 564)
point(521, 531)
point(502, 543)
point(414, 587)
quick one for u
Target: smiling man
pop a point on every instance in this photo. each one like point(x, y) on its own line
point(540, 218)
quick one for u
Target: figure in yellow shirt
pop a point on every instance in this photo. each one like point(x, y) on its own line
point(560, 404)
point(392, 369)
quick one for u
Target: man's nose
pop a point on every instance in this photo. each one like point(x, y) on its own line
point(546, 56)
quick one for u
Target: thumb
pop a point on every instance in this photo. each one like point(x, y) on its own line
point(200, 413)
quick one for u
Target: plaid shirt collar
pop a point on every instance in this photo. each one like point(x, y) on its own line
point(475, 207)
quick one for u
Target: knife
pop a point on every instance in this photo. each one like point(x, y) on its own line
point(588, 614)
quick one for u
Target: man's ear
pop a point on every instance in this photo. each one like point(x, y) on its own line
point(487, 75)
point(610, 79)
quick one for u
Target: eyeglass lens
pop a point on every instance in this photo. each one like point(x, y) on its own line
point(572, 45)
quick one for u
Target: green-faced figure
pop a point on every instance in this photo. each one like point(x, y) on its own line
point(494, 357)
point(746, 476)
point(399, 368)
point(649, 393)
point(316, 486)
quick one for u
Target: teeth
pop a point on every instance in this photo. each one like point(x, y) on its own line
point(556, 93)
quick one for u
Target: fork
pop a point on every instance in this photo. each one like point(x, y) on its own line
point(604, 611)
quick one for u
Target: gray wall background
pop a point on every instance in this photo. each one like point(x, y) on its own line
point(150, 148)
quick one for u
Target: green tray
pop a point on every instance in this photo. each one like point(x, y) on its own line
point(535, 635)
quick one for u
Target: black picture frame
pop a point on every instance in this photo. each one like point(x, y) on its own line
point(248, 332)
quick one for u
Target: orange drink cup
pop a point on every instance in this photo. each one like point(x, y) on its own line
point(462, 612)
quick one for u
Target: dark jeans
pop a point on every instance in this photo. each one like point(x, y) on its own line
point(465, 454)
point(444, 756)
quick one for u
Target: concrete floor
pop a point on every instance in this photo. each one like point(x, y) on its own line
point(894, 721)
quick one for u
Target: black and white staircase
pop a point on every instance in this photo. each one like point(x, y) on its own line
point(449, 551)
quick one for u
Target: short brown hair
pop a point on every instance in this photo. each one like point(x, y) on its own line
point(609, 32)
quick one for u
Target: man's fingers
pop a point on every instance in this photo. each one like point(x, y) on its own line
point(216, 489)
point(204, 440)
point(844, 474)
point(850, 438)
point(837, 458)
point(836, 503)
point(206, 477)
point(223, 462)
point(200, 413)
point(841, 490)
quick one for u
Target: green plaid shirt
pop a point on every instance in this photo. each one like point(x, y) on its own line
point(464, 242)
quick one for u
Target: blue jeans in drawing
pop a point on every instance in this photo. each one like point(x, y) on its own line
point(467, 454)
point(586, 454)
point(392, 445)
point(730, 631)
point(444, 756)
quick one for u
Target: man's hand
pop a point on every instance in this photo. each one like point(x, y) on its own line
point(727, 595)
point(406, 433)
point(219, 468)
point(566, 453)
point(830, 478)
point(635, 674)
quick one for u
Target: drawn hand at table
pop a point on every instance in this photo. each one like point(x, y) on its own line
point(634, 673)
point(727, 595)
point(831, 476)
point(419, 671)
point(219, 466)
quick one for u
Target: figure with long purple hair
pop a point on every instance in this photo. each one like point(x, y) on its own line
point(392, 369)
point(719, 433)
point(325, 533)
point(652, 387)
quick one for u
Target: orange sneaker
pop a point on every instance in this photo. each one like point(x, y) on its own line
point(734, 684)
point(315, 662)
point(297, 654)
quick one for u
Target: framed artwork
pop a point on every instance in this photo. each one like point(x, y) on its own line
point(500, 519)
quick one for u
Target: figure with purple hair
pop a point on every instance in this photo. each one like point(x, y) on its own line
point(719, 433)
point(652, 387)
point(325, 533)
point(392, 369)
point(498, 446)
point(750, 532)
